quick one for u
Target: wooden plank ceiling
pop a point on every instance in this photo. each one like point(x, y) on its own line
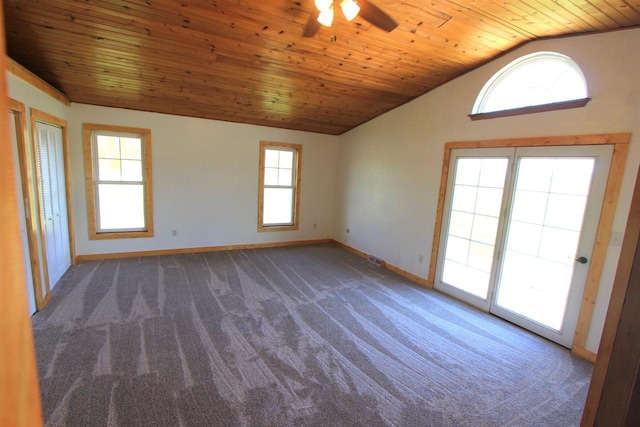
point(246, 60)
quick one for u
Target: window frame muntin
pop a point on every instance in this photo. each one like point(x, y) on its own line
point(295, 205)
point(91, 181)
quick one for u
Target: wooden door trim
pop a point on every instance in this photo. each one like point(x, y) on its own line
point(611, 333)
point(40, 116)
point(27, 183)
point(19, 392)
point(620, 142)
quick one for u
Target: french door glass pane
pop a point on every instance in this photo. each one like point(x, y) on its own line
point(278, 206)
point(473, 223)
point(543, 236)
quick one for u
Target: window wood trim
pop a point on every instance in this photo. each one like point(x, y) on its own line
point(620, 142)
point(87, 129)
point(296, 193)
point(564, 105)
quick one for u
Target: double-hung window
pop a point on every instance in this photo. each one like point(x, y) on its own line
point(279, 186)
point(118, 181)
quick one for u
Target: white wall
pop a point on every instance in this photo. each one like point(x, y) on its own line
point(33, 97)
point(205, 181)
point(389, 168)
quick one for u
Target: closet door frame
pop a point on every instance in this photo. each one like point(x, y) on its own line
point(27, 182)
point(39, 116)
point(620, 142)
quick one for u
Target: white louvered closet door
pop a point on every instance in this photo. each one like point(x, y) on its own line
point(53, 201)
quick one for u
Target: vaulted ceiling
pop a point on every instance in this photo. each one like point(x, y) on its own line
point(246, 60)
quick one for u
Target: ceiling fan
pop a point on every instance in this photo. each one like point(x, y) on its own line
point(323, 15)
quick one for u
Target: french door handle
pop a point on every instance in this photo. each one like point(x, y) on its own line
point(582, 260)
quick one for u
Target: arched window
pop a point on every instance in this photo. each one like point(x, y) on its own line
point(539, 79)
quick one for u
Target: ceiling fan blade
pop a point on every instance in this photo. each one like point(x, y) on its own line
point(376, 16)
point(313, 26)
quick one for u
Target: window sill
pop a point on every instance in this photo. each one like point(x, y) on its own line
point(565, 105)
point(121, 235)
point(262, 228)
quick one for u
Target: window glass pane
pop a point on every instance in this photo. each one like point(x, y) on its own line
point(485, 229)
point(473, 223)
point(565, 211)
point(480, 256)
point(454, 273)
point(131, 148)
point(286, 159)
point(468, 171)
point(535, 174)
point(489, 201)
point(493, 173)
point(460, 224)
point(529, 206)
point(529, 283)
point(535, 79)
point(463, 277)
point(568, 84)
point(285, 177)
point(270, 176)
point(121, 206)
point(477, 282)
point(464, 198)
point(559, 245)
point(543, 237)
point(271, 158)
point(524, 238)
point(457, 249)
point(132, 170)
point(572, 176)
point(109, 170)
point(108, 146)
point(277, 206)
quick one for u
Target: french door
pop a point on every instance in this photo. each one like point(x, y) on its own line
point(518, 231)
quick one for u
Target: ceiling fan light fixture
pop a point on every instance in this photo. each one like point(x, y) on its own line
point(350, 9)
point(326, 17)
point(323, 5)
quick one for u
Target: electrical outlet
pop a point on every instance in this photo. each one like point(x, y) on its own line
point(616, 238)
point(347, 231)
point(174, 233)
point(421, 259)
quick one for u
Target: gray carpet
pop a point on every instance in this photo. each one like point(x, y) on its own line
point(297, 336)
